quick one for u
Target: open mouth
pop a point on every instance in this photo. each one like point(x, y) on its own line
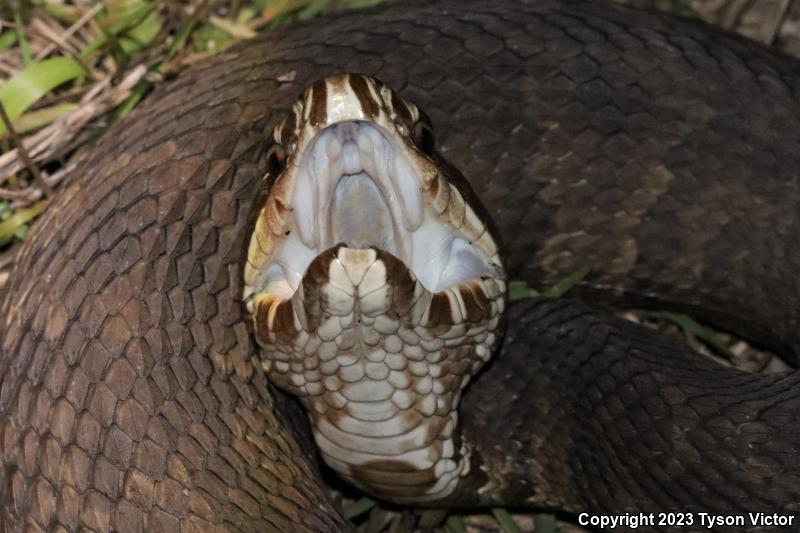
point(375, 288)
point(359, 185)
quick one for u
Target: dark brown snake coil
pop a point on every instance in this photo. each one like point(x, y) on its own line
point(659, 153)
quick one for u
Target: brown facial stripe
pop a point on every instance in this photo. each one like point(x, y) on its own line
point(439, 313)
point(476, 304)
point(282, 319)
point(424, 118)
point(457, 179)
point(261, 318)
point(315, 277)
point(439, 194)
point(365, 97)
point(402, 290)
point(317, 274)
point(287, 129)
point(401, 109)
point(477, 307)
point(319, 103)
point(283, 322)
point(274, 215)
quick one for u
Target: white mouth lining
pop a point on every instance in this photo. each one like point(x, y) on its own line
point(437, 254)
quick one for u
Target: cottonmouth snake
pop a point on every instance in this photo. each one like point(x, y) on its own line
point(656, 151)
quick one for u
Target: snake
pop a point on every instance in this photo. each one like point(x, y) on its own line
point(262, 220)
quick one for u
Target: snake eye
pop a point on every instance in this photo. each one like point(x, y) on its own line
point(276, 160)
point(423, 137)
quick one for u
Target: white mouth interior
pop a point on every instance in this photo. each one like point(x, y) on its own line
point(359, 214)
point(355, 185)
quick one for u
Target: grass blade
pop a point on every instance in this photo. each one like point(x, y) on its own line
point(692, 328)
point(34, 81)
point(517, 290)
point(33, 120)
point(358, 508)
point(454, 524)
point(7, 39)
point(24, 47)
point(142, 34)
point(280, 8)
point(59, 10)
point(562, 286)
point(544, 523)
point(505, 521)
point(124, 17)
point(10, 226)
point(234, 29)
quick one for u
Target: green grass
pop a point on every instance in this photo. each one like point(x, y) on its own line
point(37, 79)
point(89, 44)
point(15, 224)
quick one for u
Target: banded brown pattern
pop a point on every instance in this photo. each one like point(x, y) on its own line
point(375, 288)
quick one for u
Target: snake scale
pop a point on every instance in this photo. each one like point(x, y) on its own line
point(656, 151)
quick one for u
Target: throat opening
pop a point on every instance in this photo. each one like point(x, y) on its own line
point(364, 185)
point(360, 216)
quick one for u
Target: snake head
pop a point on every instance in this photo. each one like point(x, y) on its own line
point(375, 286)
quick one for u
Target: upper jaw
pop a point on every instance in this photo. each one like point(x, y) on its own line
point(353, 186)
point(364, 185)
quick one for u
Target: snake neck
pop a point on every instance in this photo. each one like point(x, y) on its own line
point(408, 455)
point(379, 362)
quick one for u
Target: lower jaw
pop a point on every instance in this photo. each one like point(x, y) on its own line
point(379, 372)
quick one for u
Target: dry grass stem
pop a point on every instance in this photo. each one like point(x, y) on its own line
point(67, 35)
point(58, 138)
point(22, 152)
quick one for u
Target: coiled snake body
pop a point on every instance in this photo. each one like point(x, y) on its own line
point(659, 153)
